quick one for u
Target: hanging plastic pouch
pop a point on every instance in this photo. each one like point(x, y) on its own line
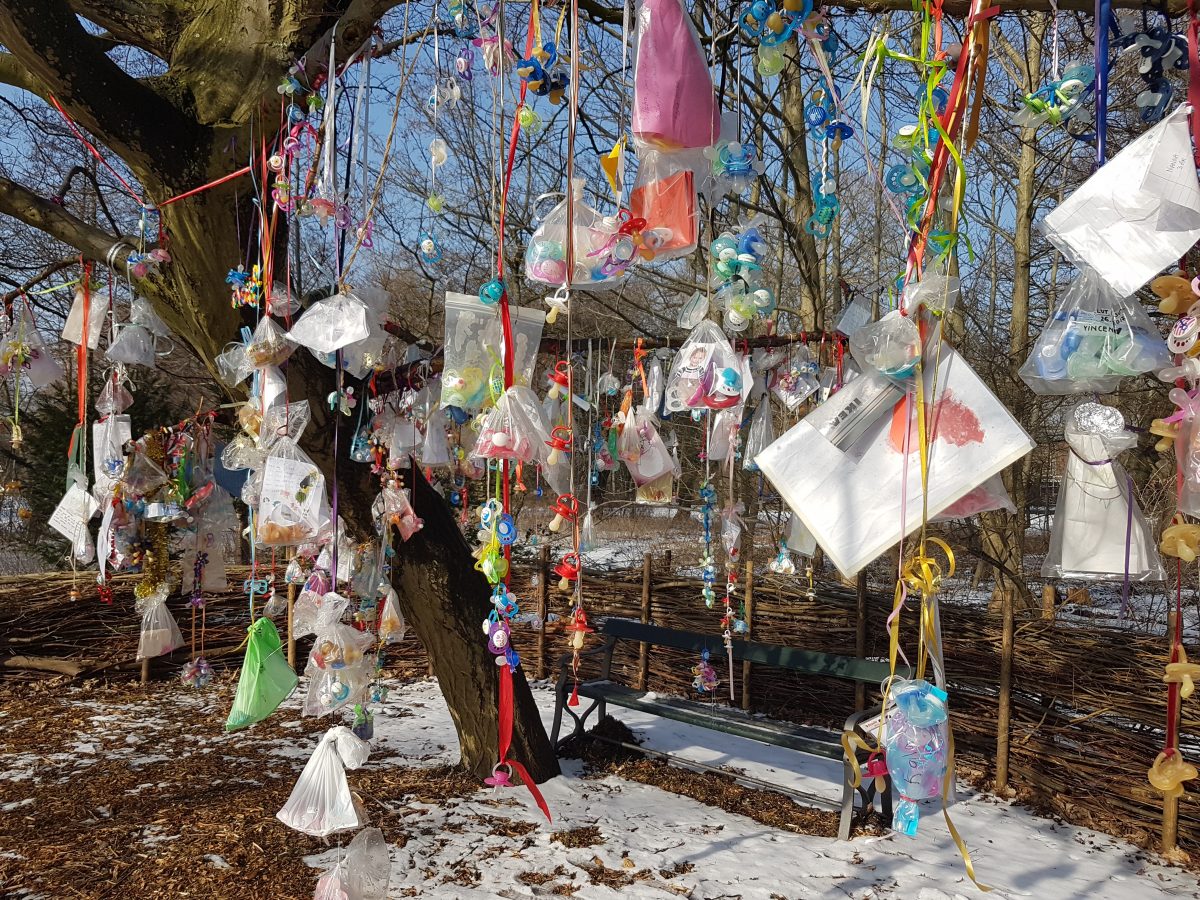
point(114, 398)
point(96, 310)
point(1099, 530)
point(436, 450)
point(134, 346)
point(472, 330)
point(321, 803)
point(338, 670)
point(1094, 339)
point(266, 679)
point(674, 105)
point(760, 436)
point(108, 452)
point(292, 508)
point(646, 456)
point(331, 324)
point(269, 346)
point(602, 254)
point(664, 195)
point(391, 620)
point(160, 635)
point(142, 313)
point(25, 347)
point(706, 372)
point(796, 379)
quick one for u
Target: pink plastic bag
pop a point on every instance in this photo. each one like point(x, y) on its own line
point(674, 106)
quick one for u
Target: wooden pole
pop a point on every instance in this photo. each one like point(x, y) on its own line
point(1049, 597)
point(749, 632)
point(543, 599)
point(145, 671)
point(1004, 712)
point(291, 634)
point(860, 637)
point(643, 647)
point(1170, 814)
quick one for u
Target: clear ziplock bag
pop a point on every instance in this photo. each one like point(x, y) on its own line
point(321, 803)
point(269, 345)
point(266, 679)
point(722, 436)
point(24, 349)
point(331, 324)
point(338, 670)
point(797, 379)
point(293, 508)
point(473, 349)
point(601, 254)
point(674, 104)
point(664, 195)
point(1094, 339)
point(706, 373)
point(108, 453)
point(1099, 532)
point(435, 452)
point(643, 450)
point(891, 346)
point(761, 434)
point(234, 365)
point(133, 346)
point(160, 635)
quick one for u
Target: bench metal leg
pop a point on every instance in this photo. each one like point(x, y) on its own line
point(560, 703)
point(847, 819)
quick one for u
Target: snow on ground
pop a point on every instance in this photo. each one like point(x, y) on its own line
point(672, 846)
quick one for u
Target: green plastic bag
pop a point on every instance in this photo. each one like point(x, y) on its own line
point(266, 679)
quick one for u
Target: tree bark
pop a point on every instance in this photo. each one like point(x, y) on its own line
point(447, 600)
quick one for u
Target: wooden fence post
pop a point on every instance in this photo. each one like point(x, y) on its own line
point(644, 648)
point(860, 637)
point(749, 632)
point(543, 595)
point(1004, 711)
point(1170, 814)
point(145, 671)
point(291, 634)
point(1049, 598)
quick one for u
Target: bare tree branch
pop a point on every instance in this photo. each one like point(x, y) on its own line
point(45, 215)
point(150, 25)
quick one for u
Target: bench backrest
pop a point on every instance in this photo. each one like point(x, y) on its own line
point(809, 662)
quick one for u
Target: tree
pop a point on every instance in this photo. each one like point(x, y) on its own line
point(213, 71)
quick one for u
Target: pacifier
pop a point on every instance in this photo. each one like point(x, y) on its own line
point(1169, 772)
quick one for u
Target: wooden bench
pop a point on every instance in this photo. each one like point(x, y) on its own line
point(813, 741)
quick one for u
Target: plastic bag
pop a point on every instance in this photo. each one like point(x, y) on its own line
point(23, 348)
point(513, 428)
point(1138, 214)
point(664, 195)
point(891, 346)
point(134, 346)
point(601, 253)
point(473, 345)
point(293, 508)
point(96, 310)
point(722, 437)
point(233, 364)
point(143, 314)
point(321, 803)
point(393, 508)
point(363, 874)
point(1099, 531)
point(796, 380)
point(760, 436)
point(108, 453)
point(338, 670)
point(114, 398)
point(1094, 339)
point(643, 450)
point(269, 346)
point(674, 105)
point(142, 475)
point(436, 450)
point(266, 679)
point(284, 421)
point(392, 627)
point(705, 373)
point(405, 440)
point(988, 496)
point(160, 635)
point(361, 358)
point(331, 324)
point(916, 747)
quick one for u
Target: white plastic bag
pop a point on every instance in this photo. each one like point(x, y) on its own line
point(160, 635)
point(760, 435)
point(1099, 530)
point(1137, 214)
point(331, 324)
point(96, 308)
point(321, 803)
point(133, 346)
point(1094, 339)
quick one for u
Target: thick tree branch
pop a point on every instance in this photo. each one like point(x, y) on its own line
point(14, 73)
point(149, 132)
point(37, 212)
point(150, 25)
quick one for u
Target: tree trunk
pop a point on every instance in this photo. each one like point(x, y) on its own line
point(446, 600)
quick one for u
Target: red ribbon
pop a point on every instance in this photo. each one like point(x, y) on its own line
point(506, 724)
